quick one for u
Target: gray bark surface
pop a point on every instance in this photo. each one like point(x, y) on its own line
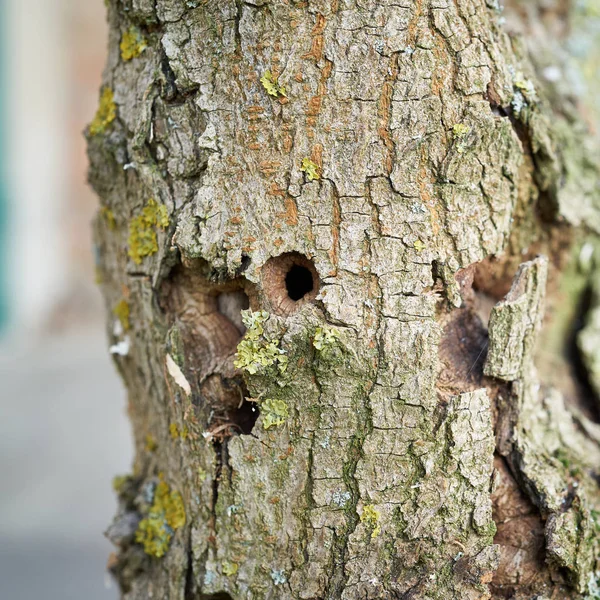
point(355, 219)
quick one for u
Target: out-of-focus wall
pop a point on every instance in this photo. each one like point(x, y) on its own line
point(55, 52)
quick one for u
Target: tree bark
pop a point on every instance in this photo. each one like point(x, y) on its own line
point(329, 233)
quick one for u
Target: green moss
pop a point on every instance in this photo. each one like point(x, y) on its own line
point(142, 230)
point(106, 114)
point(133, 43)
point(272, 86)
point(255, 353)
point(274, 412)
point(121, 311)
point(166, 515)
point(370, 517)
point(311, 169)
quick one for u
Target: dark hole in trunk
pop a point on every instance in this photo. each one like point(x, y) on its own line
point(299, 282)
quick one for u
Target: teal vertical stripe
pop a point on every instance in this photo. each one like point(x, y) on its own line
point(3, 177)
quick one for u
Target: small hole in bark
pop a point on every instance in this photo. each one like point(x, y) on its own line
point(218, 596)
point(231, 305)
point(245, 416)
point(246, 260)
point(289, 281)
point(299, 282)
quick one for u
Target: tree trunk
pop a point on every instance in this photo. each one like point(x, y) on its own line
point(327, 234)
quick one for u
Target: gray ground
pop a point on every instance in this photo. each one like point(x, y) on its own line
point(63, 435)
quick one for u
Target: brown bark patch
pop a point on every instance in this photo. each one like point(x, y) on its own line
point(520, 535)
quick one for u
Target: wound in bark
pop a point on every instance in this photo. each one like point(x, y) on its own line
point(231, 304)
point(464, 342)
point(520, 537)
point(289, 282)
point(208, 317)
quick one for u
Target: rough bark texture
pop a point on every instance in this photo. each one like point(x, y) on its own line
point(394, 190)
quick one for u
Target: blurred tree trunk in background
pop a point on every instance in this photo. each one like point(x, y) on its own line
point(349, 255)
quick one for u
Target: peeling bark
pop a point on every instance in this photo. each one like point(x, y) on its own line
point(336, 225)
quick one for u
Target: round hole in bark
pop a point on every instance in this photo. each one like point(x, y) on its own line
point(289, 281)
point(299, 282)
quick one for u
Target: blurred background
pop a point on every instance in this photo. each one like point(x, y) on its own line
point(63, 429)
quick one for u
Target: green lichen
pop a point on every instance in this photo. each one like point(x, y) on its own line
point(525, 85)
point(274, 412)
point(166, 515)
point(142, 230)
point(311, 169)
point(106, 113)
point(524, 95)
point(133, 43)
point(255, 353)
point(593, 586)
point(121, 311)
point(370, 517)
point(272, 86)
point(460, 131)
point(325, 338)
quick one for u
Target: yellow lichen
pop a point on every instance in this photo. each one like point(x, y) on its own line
point(119, 481)
point(311, 169)
point(133, 43)
point(419, 246)
point(109, 217)
point(142, 230)
point(106, 113)
point(151, 444)
point(121, 311)
point(166, 515)
point(229, 568)
point(177, 433)
point(370, 517)
point(460, 130)
point(272, 86)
